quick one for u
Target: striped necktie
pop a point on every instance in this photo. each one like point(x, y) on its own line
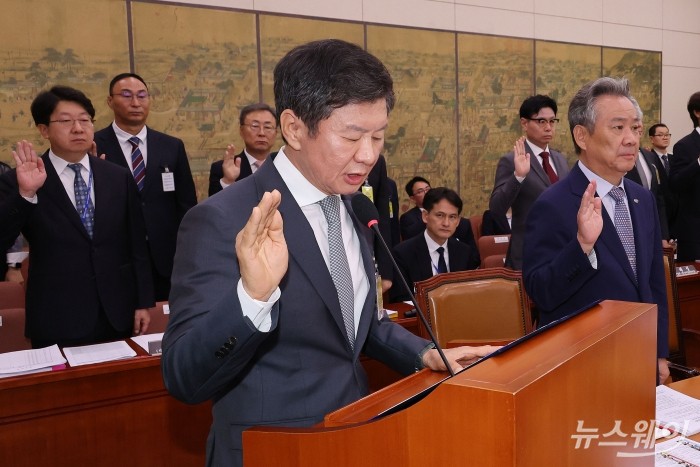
point(137, 165)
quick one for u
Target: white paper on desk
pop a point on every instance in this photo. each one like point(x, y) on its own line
point(98, 353)
point(669, 452)
point(143, 340)
point(677, 410)
point(22, 361)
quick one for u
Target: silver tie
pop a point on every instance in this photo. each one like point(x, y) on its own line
point(340, 270)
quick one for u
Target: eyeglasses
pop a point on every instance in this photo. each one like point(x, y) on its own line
point(128, 95)
point(667, 135)
point(69, 122)
point(441, 216)
point(420, 191)
point(543, 121)
point(255, 127)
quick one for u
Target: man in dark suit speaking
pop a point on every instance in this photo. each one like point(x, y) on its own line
point(595, 235)
point(89, 275)
point(160, 167)
point(272, 330)
point(435, 251)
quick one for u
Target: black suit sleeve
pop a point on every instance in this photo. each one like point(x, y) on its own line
point(216, 172)
point(184, 183)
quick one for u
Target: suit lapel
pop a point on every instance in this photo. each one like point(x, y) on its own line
point(113, 149)
point(153, 160)
point(423, 260)
point(301, 243)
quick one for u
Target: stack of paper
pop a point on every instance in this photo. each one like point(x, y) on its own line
point(98, 353)
point(677, 451)
point(30, 361)
point(676, 411)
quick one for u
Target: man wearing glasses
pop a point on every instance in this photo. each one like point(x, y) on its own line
point(89, 276)
point(660, 138)
point(520, 180)
point(258, 131)
point(411, 222)
point(160, 167)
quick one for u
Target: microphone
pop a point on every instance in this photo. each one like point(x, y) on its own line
point(367, 213)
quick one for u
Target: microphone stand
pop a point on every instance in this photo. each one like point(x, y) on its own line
point(375, 228)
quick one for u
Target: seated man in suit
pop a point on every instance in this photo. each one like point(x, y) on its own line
point(159, 165)
point(271, 330)
point(411, 222)
point(595, 235)
point(90, 278)
point(435, 251)
point(258, 131)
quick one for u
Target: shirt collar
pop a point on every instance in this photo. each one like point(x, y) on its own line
point(432, 244)
point(302, 190)
point(535, 148)
point(603, 187)
point(123, 136)
point(60, 164)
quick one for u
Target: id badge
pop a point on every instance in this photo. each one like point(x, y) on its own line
point(168, 181)
point(368, 192)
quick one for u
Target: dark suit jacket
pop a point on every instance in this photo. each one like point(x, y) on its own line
point(70, 275)
point(163, 211)
point(303, 367)
point(411, 223)
point(558, 275)
point(670, 196)
point(394, 214)
point(509, 193)
point(655, 189)
point(494, 224)
point(685, 181)
point(379, 181)
point(413, 258)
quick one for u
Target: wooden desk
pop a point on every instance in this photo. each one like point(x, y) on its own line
point(108, 414)
point(689, 298)
point(690, 387)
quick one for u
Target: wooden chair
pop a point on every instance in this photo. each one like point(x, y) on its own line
point(12, 330)
point(482, 306)
point(678, 339)
point(476, 221)
point(490, 245)
point(159, 319)
point(493, 261)
point(11, 295)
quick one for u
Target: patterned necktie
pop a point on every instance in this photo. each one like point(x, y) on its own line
point(340, 270)
point(623, 225)
point(255, 166)
point(83, 203)
point(442, 265)
point(553, 178)
point(664, 158)
point(137, 165)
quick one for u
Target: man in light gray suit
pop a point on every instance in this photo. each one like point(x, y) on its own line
point(520, 180)
point(269, 331)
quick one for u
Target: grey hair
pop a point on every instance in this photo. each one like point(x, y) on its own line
point(582, 110)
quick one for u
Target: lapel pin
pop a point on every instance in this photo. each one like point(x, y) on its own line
point(636, 200)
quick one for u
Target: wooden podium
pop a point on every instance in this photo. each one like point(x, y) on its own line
point(560, 398)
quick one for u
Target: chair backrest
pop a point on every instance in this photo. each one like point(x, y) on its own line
point(11, 295)
point(476, 221)
point(493, 261)
point(12, 330)
point(159, 317)
point(477, 306)
point(490, 245)
point(675, 335)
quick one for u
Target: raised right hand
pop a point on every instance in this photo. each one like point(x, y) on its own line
point(262, 252)
point(589, 218)
point(521, 158)
point(231, 165)
point(31, 173)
